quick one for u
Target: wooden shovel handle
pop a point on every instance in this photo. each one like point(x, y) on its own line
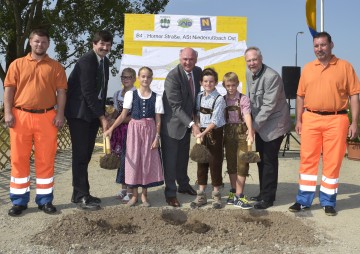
point(107, 145)
point(249, 144)
point(103, 145)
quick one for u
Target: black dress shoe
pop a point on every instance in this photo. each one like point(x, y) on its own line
point(188, 190)
point(94, 199)
point(256, 198)
point(73, 199)
point(16, 210)
point(86, 203)
point(48, 208)
point(91, 198)
point(263, 204)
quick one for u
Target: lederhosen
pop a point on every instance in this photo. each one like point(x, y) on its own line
point(235, 142)
point(213, 140)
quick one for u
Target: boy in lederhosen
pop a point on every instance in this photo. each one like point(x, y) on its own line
point(237, 131)
point(210, 106)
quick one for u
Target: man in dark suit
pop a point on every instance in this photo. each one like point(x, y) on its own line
point(85, 112)
point(182, 84)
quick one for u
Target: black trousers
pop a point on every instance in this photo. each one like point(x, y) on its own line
point(268, 166)
point(83, 135)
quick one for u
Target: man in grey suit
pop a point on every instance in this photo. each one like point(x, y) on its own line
point(182, 84)
point(271, 121)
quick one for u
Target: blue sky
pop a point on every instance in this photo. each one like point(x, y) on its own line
point(272, 26)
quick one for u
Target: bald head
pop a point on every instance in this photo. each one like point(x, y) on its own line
point(188, 59)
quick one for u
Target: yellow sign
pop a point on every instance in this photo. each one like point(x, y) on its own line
point(155, 41)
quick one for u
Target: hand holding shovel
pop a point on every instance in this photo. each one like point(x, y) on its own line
point(109, 160)
point(199, 153)
point(250, 156)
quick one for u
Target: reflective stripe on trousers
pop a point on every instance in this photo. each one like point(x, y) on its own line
point(324, 134)
point(29, 129)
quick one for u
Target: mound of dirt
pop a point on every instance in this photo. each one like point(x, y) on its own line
point(165, 230)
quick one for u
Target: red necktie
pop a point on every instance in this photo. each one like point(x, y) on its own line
point(191, 85)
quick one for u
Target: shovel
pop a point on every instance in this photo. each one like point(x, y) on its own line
point(109, 160)
point(250, 156)
point(199, 153)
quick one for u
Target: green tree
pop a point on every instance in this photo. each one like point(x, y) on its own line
point(71, 24)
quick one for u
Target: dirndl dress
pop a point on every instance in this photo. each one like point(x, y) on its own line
point(143, 164)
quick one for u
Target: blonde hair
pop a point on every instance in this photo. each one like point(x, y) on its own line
point(130, 71)
point(232, 77)
point(146, 68)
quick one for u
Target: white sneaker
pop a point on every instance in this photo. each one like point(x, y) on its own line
point(127, 198)
point(121, 194)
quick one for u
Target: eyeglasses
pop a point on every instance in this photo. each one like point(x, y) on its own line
point(126, 77)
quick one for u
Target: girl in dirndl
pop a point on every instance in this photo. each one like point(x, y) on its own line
point(142, 160)
point(118, 137)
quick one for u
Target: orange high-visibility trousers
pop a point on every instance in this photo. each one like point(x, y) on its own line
point(326, 134)
point(29, 129)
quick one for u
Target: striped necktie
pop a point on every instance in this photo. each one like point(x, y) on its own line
point(191, 85)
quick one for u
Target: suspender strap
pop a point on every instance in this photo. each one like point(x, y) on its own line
point(233, 108)
point(208, 110)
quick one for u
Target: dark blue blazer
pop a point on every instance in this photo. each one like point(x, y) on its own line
point(82, 97)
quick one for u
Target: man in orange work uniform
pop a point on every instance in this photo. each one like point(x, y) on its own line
point(34, 84)
point(325, 87)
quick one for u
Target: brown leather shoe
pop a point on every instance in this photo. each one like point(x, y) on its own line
point(173, 202)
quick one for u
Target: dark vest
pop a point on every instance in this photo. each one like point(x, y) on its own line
point(143, 108)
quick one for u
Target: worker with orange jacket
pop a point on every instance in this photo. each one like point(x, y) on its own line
point(34, 84)
point(325, 87)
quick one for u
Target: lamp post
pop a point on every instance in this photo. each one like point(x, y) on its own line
point(296, 46)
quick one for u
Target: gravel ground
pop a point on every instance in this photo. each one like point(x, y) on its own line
point(163, 229)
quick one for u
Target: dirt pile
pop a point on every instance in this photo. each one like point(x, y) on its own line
point(165, 230)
